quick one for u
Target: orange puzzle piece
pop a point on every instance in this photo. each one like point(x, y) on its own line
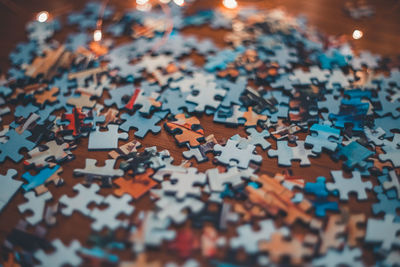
point(252, 118)
point(186, 130)
point(136, 187)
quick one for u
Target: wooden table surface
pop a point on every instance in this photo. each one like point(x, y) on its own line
point(382, 35)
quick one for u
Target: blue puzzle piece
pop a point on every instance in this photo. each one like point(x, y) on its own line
point(318, 188)
point(104, 140)
point(388, 124)
point(16, 74)
point(385, 205)
point(5, 90)
point(235, 90)
point(8, 187)
point(332, 58)
point(23, 54)
point(174, 101)
point(76, 40)
point(355, 154)
point(15, 142)
point(222, 58)
point(324, 137)
point(40, 178)
point(99, 253)
point(142, 124)
point(118, 95)
point(322, 205)
point(25, 111)
point(283, 152)
point(391, 193)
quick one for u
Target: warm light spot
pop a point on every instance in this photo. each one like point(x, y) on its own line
point(165, 1)
point(42, 16)
point(97, 35)
point(357, 34)
point(144, 8)
point(142, 2)
point(179, 2)
point(231, 4)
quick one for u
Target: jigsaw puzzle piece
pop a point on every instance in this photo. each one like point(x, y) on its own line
point(62, 255)
point(38, 182)
point(324, 137)
point(10, 149)
point(101, 140)
point(232, 155)
point(8, 188)
point(107, 218)
point(35, 204)
point(142, 124)
point(80, 202)
point(345, 186)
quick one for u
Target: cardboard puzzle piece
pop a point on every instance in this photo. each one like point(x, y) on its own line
point(199, 153)
point(85, 196)
point(279, 247)
point(385, 232)
point(345, 186)
point(15, 142)
point(126, 149)
point(136, 187)
point(323, 137)
point(233, 156)
point(35, 204)
point(62, 255)
point(76, 123)
point(9, 187)
point(252, 118)
point(105, 140)
point(392, 151)
point(39, 181)
point(107, 218)
point(355, 155)
point(146, 103)
point(249, 240)
point(286, 153)
point(152, 231)
point(233, 176)
point(184, 184)
point(346, 257)
point(393, 183)
point(142, 124)
point(170, 208)
point(49, 154)
point(255, 138)
point(186, 130)
point(92, 170)
point(205, 97)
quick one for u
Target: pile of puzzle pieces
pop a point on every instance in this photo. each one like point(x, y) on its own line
point(303, 100)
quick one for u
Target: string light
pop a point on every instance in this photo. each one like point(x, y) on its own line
point(42, 16)
point(231, 4)
point(97, 35)
point(357, 34)
point(142, 2)
point(179, 2)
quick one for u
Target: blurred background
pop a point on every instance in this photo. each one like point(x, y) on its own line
point(377, 21)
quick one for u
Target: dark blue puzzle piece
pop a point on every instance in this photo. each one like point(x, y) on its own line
point(355, 154)
point(142, 124)
point(15, 142)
